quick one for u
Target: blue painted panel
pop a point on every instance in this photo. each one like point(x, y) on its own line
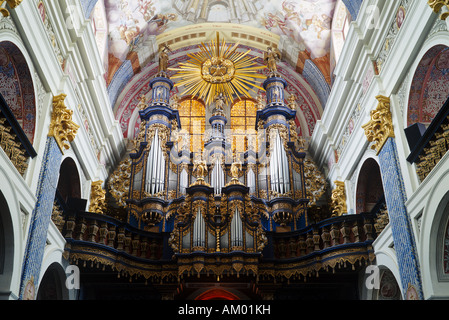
point(41, 215)
point(395, 196)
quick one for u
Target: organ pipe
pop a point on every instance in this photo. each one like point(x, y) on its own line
point(279, 171)
point(217, 177)
point(236, 230)
point(155, 176)
point(199, 230)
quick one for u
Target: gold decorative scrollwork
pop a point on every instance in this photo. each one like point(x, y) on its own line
point(380, 127)
point(12, 4)
point(62, 128)
point(437, 5)
point(339, 199)
point(314, 180)
point(97, 198)
point(119, 181)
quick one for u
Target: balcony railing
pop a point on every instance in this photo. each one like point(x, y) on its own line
point(106, 241)
point(433, 144)
point(13, 139)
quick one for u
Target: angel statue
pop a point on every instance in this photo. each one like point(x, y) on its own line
point(163, 59)
point(219, 104)
point(271, 57)
point(236, 167)
point(200, 168)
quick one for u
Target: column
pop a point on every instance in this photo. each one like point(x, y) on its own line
point(380, 131)
point(62, 131)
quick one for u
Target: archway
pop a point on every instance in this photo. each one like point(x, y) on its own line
point(217, 294)
point(16, 87)
point(6, 247)
point(370, 192)
point(430, 86)
point(69, 181)
point(52, 286)
point(388, 287)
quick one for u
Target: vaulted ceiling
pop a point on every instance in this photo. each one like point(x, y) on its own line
point(309, 33)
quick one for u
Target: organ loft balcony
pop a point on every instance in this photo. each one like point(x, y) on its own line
point(185, 206)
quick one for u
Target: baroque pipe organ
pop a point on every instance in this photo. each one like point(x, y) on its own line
point(214, 201)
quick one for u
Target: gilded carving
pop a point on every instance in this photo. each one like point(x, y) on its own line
point(314, 181)
point(380, 127)
point(271, 57)
point(97, 198)
point(12, 4)
point(62, 128)
point(339, 199)
point(200, 170)
point(437, 5)
point(236, 169)
point(12, 148)
point(119, 181)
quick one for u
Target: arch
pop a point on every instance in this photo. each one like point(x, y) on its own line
point(369, 190)
point(309, 108)
point(217, 294)
point(218, 11)
point(389, 288)
point(17, 88)
point(69, 185)
point(13, 234)
point(243, 123)
point(52, 285)
point(7, 246)
point(432, 235)
point(192, 115)
point(430, 86)
point(442, 244)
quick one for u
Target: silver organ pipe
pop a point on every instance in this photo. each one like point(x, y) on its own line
point(217, 177)
point(251, 178)
point(279, 171)
point(155, 176)
point(236, 230)
point(183, 180)
point(199, 230)
point(284, 166)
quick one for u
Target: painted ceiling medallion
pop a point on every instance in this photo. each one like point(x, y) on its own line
point(218, 68)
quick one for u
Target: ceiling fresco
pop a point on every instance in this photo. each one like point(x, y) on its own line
point(134, 27)
point(306, 22)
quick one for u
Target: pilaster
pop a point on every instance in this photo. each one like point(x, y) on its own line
point(62, 131)
point(380, 131)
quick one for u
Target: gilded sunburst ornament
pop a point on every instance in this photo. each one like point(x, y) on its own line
point(218, 68)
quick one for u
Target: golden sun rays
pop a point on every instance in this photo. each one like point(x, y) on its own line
point(218, 68)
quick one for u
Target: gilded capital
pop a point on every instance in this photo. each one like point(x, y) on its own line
point(437, 5)
point(380, 127)
point(339, 199)
point(97, 198)
point(62, 128)
point(12, 4)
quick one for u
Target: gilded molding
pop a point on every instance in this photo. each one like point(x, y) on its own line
point(380, 127)
point(339, 199)
point(97, 198)
point(12, 4)
point(62, 128)
point(119, 182)
point(437, 5)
